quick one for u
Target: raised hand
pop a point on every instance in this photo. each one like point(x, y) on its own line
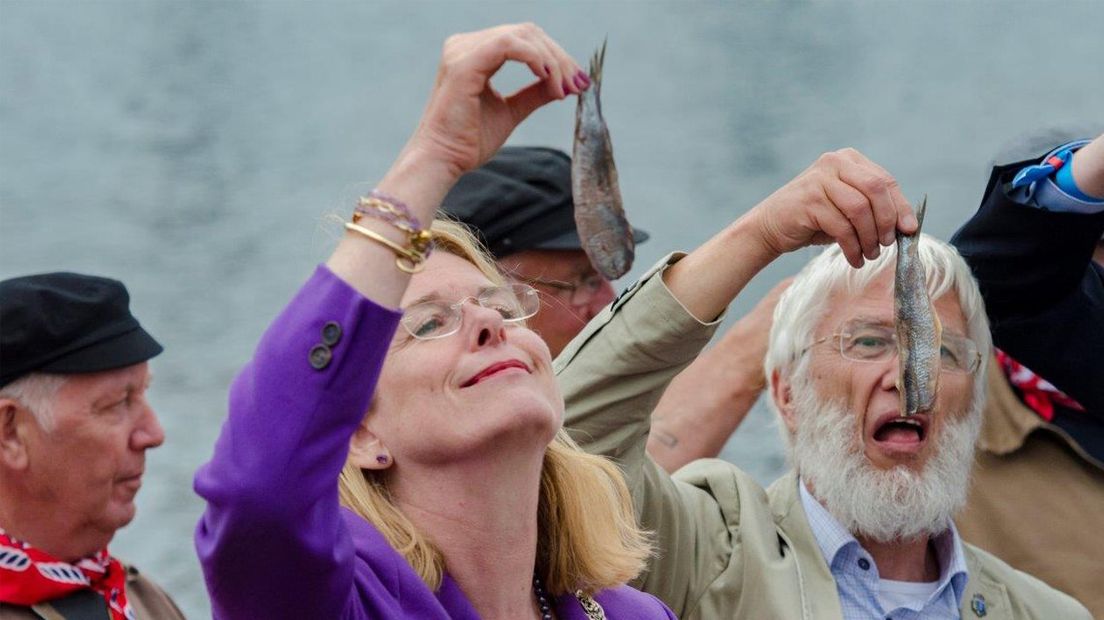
point(843, 197)
point(466, 119)
point(464, 123)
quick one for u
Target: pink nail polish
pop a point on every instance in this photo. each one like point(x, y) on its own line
point(586, 78)
point(566, 86)
point(547, 71)
point(579, 82)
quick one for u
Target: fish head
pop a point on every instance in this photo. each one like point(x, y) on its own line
point(572, 291)
point(613, 265)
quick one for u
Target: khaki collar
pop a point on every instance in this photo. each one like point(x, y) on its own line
point(1006, 421)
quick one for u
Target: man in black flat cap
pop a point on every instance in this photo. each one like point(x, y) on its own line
point(520, 205)
point(74, 428)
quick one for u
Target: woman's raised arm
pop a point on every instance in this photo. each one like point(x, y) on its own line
point(464, 124)
point(273, 541)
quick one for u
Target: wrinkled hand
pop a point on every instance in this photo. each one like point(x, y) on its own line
point(466, 119)
point(843, 197)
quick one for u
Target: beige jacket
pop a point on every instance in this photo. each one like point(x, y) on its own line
point(726, 548)
point(1037, 498)
point(148, 601)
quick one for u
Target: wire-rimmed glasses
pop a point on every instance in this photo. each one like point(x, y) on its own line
point(865, 341)
point(577, 292)
point(436, 319)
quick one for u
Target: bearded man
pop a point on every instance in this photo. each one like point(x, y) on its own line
point(862, 527)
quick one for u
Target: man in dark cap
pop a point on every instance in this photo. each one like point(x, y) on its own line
point(74, 428)
point(520, 205)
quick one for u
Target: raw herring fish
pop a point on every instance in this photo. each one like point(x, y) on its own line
point(606, 235)
point(919, 333)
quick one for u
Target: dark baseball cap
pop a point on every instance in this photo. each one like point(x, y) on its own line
point(520, 200)
point(68, 323)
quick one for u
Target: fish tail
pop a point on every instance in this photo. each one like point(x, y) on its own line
point(920, 213)
point(596, 63)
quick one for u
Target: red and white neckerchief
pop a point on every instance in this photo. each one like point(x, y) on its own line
point(29, 576)
point(1038, 393)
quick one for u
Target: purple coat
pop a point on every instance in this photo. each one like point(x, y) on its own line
point(274, 541)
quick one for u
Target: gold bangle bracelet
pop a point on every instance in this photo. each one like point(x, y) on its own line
point(421, 241)
point(416, 260)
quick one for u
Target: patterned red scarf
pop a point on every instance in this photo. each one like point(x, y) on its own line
point(29, 576)
point(1038, 393)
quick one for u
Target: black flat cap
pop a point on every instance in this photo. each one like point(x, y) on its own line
point(520, 200)
point(68, 323)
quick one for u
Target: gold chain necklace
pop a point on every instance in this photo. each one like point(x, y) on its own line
point(590, 606)
point(593, 610)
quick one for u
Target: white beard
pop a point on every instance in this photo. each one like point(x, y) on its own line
point(884, 505)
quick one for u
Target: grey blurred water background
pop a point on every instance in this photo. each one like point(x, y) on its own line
point(191, 149)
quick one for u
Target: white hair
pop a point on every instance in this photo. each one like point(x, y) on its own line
point(36, 392)
point(805, 303)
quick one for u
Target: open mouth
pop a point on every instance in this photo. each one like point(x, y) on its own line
point(900, 432)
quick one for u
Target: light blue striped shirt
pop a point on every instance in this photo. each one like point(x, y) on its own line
point(856, 575)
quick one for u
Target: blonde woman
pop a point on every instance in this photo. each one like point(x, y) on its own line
point(459, 494)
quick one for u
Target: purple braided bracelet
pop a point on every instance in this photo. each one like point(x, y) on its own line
point(389, 209)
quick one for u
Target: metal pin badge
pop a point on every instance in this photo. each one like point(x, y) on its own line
point(978, 605)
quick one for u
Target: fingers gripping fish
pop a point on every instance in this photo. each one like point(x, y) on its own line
point(919, 333)
point(599, 217)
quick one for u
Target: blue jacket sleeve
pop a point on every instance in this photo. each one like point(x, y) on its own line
point(1043, 292)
